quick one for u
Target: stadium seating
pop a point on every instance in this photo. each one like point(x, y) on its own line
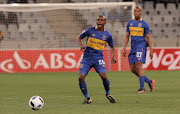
point(164, 24)
point(3, 1)
point(95, 1)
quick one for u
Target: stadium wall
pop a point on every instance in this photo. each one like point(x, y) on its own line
point(68, 60)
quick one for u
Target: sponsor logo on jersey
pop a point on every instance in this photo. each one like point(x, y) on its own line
point(96, 43)
point(135, 31)
point(81, 66)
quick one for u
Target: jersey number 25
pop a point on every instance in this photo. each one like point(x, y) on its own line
point(101, 62)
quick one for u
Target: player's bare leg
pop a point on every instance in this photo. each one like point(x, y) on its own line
point(142, 77)
point(133, 69)
point(106, 84)
point(139, 68)
point(82, 78)
point(83, 87)
point(140, 73)
point(150, 82)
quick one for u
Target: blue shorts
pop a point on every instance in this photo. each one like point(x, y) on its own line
point(86, 64)
point(138, 56)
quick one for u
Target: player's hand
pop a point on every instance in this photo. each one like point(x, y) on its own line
point(151, 53)
point(113, 60)
point(124, 52)
point(82, 48)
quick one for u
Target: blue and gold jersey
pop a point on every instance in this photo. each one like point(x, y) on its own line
point(137, 30)
point(96, 41)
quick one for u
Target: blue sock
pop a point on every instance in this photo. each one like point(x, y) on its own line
point(147, 80)
point(141, 81)
point(84, 89)
point(106, 86)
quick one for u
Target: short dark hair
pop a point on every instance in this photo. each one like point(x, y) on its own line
point(138, 7)
point(102, 16)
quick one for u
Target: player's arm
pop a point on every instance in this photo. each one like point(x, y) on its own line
point(126, 40)
point(83, 34)
point(111, 44)
point(79, 40)
point(150, 45)
point(113, 54)
point(147, 32)
point(1, 35)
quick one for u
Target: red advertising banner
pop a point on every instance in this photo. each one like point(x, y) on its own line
point(68, 60)
point(163, 59)
point(124, 61)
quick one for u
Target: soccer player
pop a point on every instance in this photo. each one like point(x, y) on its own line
point(93, 57)
point(138, 29)
point(1, 35)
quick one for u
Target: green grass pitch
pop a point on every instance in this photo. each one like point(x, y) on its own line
point(62, 95)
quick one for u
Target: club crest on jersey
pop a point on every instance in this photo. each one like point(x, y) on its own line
point(104, 37)
point(140, 24)
point(81, 66)
point(131, 24)
point(93, 35)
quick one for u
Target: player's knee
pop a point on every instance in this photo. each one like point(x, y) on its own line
point(82, 78)
point(139, 69)
point(138, 66)
point(103, 76)
point(133, 71)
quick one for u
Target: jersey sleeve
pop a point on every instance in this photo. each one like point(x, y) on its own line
point(146, 29)
point(110, 41)
point(84, 33)
point(127, 26)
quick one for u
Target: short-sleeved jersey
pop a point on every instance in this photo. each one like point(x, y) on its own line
point(96, 42)
point(137, 30)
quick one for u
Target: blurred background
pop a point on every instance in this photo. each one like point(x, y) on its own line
point(47, 30)
point(59, 28)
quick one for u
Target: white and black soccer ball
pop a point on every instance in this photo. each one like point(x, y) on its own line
point(36, 102)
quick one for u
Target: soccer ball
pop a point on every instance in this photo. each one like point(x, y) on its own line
point(36, 102)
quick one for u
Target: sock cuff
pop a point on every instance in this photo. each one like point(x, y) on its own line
point(142, 76)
